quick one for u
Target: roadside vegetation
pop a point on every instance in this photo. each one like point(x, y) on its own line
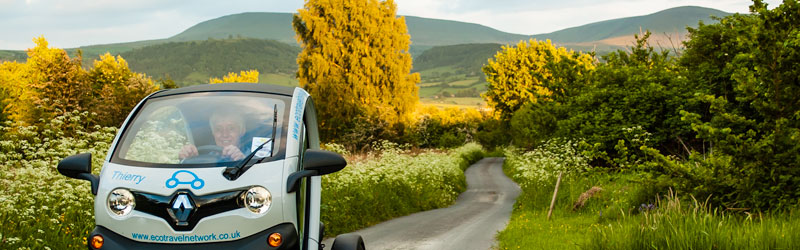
point(393, 182)
point(678, 149)
point(42, 209)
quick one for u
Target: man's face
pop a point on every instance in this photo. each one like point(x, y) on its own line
point(227, 132)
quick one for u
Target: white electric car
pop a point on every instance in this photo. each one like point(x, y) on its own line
point(223, 166)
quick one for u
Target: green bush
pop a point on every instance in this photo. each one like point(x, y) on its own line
point(753, 118)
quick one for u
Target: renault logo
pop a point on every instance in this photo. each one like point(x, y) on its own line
point(181, 209)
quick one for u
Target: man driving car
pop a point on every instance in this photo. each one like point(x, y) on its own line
point(227, 129)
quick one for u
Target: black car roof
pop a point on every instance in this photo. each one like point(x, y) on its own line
point(245, 87)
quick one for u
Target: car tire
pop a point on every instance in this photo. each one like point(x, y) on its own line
point(348, 242)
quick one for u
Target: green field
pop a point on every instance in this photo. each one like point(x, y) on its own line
point(461, 102)
point(280, 79)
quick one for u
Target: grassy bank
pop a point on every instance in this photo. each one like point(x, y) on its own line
point(393, 184)
point(625, 212)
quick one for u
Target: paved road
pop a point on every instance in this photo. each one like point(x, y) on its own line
point(471, 223)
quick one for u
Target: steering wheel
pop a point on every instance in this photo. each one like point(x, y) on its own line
point(205, 154)
point(209, 150)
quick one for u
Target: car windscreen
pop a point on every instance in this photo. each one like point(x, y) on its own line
point(202, 129)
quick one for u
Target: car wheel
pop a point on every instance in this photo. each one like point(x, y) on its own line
point(348, 242)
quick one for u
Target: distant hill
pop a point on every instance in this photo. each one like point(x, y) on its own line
point(183, 62)
point(261, 25)
point(447, 53)
point(670, 21)
point(427, 32)
point(13, 55)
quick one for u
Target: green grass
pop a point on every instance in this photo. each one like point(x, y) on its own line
point(464, 102)
point(613, 218)
point(429, 84)
point(429, 92)
point(465, 83)
point(280, 79)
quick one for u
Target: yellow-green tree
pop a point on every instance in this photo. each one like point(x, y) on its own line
point(116, 89)
point(50, 83)
point(12, 83)
point(530, 72)
point(355, 63)
point(250, 76)
point(54, 83)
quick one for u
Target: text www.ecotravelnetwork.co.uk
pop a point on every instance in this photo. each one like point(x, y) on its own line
point(186, 238)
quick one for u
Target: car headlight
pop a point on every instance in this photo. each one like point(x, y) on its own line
point(257, 200)
point(121, 202)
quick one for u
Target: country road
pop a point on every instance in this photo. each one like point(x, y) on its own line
point(471, 223)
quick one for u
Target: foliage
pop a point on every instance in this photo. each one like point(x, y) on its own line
point(444, 128)
point(50, 83)
point(393, 184)
point(40, 208)
point(532, 124)
point(533, 71)
point(355, 62)
point(642, 89)
point(12, 76)
point(627, 213)
point(116, 89)
point(753, 115)
point(250, 76)
point(545, 162)
point(493, 133)
point(54, 83)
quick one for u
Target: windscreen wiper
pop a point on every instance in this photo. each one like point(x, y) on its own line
point(232, 173)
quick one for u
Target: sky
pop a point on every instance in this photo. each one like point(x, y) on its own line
point(74, 23)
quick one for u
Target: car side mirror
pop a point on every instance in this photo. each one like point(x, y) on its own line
point(79, 167)
point(315, 162)
point(323, 161)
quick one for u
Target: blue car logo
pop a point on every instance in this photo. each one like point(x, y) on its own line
point(188, 178)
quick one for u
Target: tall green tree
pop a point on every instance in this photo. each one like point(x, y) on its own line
point(753, 115)
point(355, 63)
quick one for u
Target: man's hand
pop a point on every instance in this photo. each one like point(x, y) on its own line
point(187, 151)
point(232, 152)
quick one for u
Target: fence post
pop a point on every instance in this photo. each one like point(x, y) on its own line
point(555, 193)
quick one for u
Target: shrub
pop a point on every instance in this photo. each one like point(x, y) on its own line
point(395, 184)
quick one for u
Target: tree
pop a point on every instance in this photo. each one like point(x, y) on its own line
point(51, 83)
point(56, 84)
point(116, 89)
point(530, 72)
point(635, 97)
point(12, 86)
point(753, 115)
point(355, 63)
point(250, 76)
